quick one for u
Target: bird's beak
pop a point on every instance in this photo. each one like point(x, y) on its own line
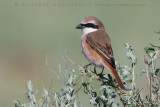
point(79, 26)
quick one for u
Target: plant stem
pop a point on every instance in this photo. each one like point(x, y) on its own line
point(121, 99)
point(133, 78)
point(150, 87)
point(158, 88)
point(148, 76)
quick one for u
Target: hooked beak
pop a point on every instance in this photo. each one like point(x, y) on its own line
point(79, 26)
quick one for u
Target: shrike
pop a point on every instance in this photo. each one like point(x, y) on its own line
point(96, 46)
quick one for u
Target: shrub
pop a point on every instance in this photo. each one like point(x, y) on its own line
point(109, 89)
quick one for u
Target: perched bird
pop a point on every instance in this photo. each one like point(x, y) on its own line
point(96, 46)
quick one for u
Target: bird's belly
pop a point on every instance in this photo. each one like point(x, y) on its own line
point(92, 56)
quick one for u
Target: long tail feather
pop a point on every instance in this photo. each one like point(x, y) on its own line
point(115, 74)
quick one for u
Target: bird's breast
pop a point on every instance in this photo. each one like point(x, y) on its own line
point(92, 56)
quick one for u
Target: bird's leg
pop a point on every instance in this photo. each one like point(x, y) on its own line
point(102, 70)
point(95, 70)
point(101, 74)
point(86, 66)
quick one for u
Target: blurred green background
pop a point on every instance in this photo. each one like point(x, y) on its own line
point(36, 35)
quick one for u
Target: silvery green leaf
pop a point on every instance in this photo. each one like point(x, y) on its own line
point(30, 86)
point(128, 46)
point(92, 101)
point(24, 105)
point(71, 90)
point(128, 69)
point(75, 80)
point(149, 49)
point(157, 31)
point(64, 89)
point(128, 80)
point(116, 105)
point(128, 54)
point(70, 80)
point(90, 79)
point(103, 87)
point(36, 92)
point(45, 93)
point(111, 102)
point(88, 73)
point(134, 84)
point(73, 101)
point(134, 60)
point(57, 95)
point(94, 94)
point(68, 97)
point(139, 74)
point(125, 72)
point(105, 75)
point(157, 72)
point(17, 103)
point(103, 98)
point(73, 70)
point(48, 99)
point(151, 54)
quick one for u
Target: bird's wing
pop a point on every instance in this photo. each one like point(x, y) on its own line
point(100, 42)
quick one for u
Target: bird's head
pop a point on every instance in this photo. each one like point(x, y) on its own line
point(90, 24)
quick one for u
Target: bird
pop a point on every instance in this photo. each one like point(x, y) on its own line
point(96, 46)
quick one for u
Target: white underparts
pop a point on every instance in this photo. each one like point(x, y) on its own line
point(85, 31)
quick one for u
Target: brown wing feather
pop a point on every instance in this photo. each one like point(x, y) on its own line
point(100, 42)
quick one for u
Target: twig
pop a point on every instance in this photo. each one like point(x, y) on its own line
point(135, 92)
point(55, 74)
point(140, 90)
point(78, 90)
point(156, 54)
point(158, 88)
point(48, 92)
point(148, 76)
point(133, 99)
point(73, 62)
point(133, 78)
point(157, 46)
point(101, 77)
point(150, 87)
point(66, 65)
point(139, 96)
point(121, 100)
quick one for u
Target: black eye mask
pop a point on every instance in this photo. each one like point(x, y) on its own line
point(90, 25)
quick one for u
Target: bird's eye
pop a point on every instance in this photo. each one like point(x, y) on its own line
point(90, 25)
point(83, 24)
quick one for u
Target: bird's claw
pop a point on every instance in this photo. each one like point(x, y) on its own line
point(100, 76)
point(85, 68)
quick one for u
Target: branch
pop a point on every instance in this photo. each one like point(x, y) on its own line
point(156, 46)
point(148, 76)
point(133, 78)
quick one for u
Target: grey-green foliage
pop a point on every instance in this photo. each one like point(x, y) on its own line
point(67, 97)
point(157, 31)
point(50, 99)
point(108, 91)
point(30, 93)
point(104, 97)
point(130, 55)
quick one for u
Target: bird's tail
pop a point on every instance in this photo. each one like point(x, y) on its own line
point(116, 75)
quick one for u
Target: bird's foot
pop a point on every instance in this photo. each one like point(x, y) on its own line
point(86, 67)
point(101, 76)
